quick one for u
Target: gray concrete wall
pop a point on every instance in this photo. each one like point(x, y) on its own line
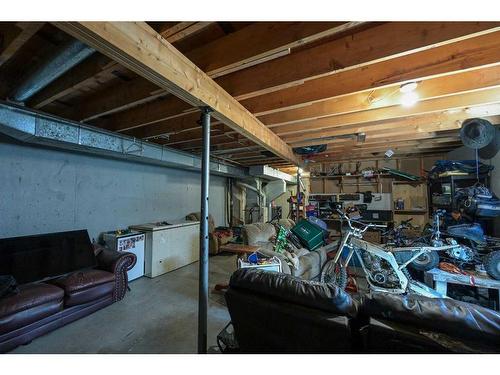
point(45, 190)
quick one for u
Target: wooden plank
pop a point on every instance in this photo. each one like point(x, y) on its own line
point(448, 103)
point(464, 82)
point(433, 62)
point(334, 57)
point(108, 100)
point(168, 31)
point(22, 32)
point(138, 47)
point(256, 41)
point(192, 29)
point(433, 88)
point(352, 51)
point(237, 50)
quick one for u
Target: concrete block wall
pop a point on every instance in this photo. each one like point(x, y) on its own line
point(46, 190)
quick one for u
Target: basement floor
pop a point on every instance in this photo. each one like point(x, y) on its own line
point(157, 316)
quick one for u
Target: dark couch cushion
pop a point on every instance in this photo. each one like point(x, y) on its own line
point(45, 256)
point(264, 324)
point(32, 303)
point(30, 295)
point(86, 285)
point(455, 318)
point(326, 297)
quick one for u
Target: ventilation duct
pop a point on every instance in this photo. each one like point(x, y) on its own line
point(37, 128)
point(64, 59)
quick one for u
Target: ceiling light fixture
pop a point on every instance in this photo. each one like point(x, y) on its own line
point(408, 87)
point(409, 97)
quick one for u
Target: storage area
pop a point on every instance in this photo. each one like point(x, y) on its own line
point(236, 185)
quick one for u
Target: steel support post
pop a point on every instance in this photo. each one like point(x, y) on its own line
point(203, 263)
point(298, 193)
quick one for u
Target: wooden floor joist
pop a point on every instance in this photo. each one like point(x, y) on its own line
point(341, 60)
point(138, 47)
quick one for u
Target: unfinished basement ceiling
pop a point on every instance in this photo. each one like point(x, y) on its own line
point(309, 82)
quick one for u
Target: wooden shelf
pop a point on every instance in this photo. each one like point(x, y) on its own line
point(352, 175)
point(409, 212)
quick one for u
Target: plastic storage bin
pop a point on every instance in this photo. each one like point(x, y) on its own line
point(309, 234)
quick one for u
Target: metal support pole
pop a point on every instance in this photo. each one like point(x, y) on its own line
point(298, 193)
point(203, 270)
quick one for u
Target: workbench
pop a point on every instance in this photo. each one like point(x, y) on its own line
point(439, 280)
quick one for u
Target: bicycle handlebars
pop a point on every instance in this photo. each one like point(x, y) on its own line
point(366, 226)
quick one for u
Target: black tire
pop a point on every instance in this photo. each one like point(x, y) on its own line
point(335, 274)
point(492, 264)
point(425, 262)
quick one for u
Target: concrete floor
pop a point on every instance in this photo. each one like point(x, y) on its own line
point(157, 316)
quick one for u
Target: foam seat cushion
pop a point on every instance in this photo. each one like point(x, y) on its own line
point(85, 286)
point(32, 303)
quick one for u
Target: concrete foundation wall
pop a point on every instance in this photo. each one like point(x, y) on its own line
point(45, 190)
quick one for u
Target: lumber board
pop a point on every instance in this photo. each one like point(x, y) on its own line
point(335, 57)
point(442, 60)
point(141, 49)
point(16, 38)
point(448, 103)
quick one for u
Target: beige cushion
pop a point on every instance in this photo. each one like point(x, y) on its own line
point(258, 233)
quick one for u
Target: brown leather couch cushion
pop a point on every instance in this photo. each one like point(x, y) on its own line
point(86, 285)
point(32, 303)
point(30, 295)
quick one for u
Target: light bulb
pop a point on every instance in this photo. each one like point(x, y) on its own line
point(409, 99)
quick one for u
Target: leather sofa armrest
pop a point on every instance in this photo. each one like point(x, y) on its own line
point(117, 262)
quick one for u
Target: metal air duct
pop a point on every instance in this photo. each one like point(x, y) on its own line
point(38, 128)
point(64, 59)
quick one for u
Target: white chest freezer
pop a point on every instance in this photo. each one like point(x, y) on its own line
point(132, 242)
point(169, 245)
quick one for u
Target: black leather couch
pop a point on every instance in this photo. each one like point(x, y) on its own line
point(41, 306)
point(278, 313)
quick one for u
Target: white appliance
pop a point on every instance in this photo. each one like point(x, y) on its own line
point(169, 245)
point(132, 242)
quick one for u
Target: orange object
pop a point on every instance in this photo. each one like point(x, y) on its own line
point(451, 268)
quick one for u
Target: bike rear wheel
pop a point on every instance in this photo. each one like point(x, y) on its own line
point(334, 273)
point(426, 261)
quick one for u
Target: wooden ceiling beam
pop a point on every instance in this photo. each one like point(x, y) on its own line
point(330, 58)
point(442, 60)
point(449, 103)
point(114, 98)
point(15, 35)
point(433, 88)
point(182, 30)
point(370, 153)
point(138, 47)
point(225, 54)
point(413, 125)
point(256, 42)
point(459, 83)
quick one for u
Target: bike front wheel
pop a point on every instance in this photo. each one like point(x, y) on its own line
point(334, 273)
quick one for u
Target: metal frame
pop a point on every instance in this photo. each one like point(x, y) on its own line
point(203, 264)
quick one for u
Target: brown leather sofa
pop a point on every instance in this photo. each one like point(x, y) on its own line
point(42, 306)
point(278, 313)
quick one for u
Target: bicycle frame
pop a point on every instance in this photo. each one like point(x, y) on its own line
point(354, 242)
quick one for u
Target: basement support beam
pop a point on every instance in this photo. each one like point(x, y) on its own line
point(203, 263)
point(138, 47)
